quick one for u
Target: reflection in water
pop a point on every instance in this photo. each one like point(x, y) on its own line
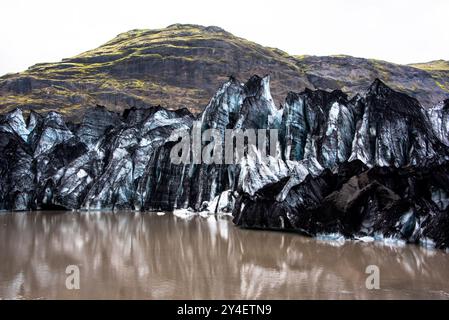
point(149, 256)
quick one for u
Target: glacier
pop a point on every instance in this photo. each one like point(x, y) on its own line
point(376, 163)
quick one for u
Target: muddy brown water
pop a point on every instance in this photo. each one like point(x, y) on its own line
point(127, 255)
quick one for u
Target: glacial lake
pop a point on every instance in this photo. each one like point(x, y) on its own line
point(128, 255)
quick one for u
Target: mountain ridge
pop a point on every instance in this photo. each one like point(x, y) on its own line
point(184, 64)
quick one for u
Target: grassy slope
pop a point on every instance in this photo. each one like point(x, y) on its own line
point(439, 69)
point(183, 65)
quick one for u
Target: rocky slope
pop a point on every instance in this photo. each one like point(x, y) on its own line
point(373, 165)
point(183, 65)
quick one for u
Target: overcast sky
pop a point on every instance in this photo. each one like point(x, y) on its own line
point(402, 31)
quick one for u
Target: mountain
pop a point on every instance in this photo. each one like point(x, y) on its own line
point(374, 165)
point(183, 65)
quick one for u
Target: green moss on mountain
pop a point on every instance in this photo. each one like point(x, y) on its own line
point(183, 65)
point(437, 65)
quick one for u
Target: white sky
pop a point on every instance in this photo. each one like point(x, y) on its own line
point(402, 31)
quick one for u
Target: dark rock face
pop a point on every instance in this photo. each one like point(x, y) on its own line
point(374, 165)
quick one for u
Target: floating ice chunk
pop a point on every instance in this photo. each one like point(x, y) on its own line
point(394, 241)
point(335, 239)
point(365, 239)
point(184, 213)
